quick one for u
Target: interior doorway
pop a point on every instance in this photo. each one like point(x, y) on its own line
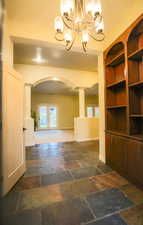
point(47, 117)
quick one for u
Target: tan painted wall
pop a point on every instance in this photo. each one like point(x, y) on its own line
point(67, 107)
point(91, 100)
point(34, 73)
point(117, 19)
point(86, 129)
point(7, 44)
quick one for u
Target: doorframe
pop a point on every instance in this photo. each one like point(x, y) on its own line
point(37, 112)
point(1, 78)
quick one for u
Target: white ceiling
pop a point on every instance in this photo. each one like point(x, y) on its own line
point(54, 57)
point(58, 87)
point(38, 16)
point(35, 19)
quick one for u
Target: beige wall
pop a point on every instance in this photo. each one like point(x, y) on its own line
point(116, 21)
point(68, 107)
point(91, 100)
point(7, 44)
point(86, 129)
point(35, 73)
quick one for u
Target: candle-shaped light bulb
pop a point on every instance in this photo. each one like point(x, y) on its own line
point(100, 27)
point(59, 26)
point(66, 7)
point(85, 36)
point(68, 36)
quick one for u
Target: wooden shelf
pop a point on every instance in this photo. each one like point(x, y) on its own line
point(117, 60)
point(135, 137)
point(136, 115)
point(116, 107)
point(138, 136)
point(136, 84)
point(124, 103)
point(136, 55)
point(117, 83)
point(117, 133)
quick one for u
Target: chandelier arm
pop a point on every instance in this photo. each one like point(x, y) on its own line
point(65, 23)
point(96, 39)
point(69, 48)
point(58, 38)
point(98, 15)
point(68, 18)
point(84, 47)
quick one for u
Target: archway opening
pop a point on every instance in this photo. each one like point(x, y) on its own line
point(54, 105)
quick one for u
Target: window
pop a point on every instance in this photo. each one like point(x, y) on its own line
point(43, 119)
point(92, 111)
point(47, 117)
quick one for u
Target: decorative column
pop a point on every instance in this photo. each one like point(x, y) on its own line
point(81, 102)
point(28, 121)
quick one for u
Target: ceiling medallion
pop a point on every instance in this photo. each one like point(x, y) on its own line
point(79, 18)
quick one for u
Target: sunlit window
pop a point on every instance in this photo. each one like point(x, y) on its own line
point(47, 117)
point(92, 111)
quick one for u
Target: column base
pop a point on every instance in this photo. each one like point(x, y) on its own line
point(29, 138)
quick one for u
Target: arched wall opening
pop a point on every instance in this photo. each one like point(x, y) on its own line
point(63, 93)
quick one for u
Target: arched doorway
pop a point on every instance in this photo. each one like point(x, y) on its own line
point(54, 105)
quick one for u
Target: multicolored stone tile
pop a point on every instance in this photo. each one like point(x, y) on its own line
point(73, 212)
point(28, 217)
point(103, 167)
point(9, 203)
point(36, 163)
point(133, 193)
point(27, 183)
point(111, 220)
point(88, 191)
point(56, 178)
point(134, 215)
point(30, 172)
point(109, 201)
point(39, 197)
point(77, 188)
point(85, 172)
point(71, 165)
point(109, 180)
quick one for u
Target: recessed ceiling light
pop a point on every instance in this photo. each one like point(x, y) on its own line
point(39, 59)
point(55, 78)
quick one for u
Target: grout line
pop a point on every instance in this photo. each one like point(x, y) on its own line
point(80, 164)
point(72, 175)
point(40, 180)
point(89, 207)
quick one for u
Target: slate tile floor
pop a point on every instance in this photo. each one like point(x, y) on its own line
point(67, 184)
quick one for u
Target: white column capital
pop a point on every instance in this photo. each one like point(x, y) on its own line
point(81, 88)
point(28, 85)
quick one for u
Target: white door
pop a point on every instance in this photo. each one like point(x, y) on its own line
point(47, 117)
point(13, 162)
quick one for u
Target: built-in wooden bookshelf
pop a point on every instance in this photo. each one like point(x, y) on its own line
point(124, 102)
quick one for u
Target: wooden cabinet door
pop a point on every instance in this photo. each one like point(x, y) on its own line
point(108, 149)
point(135, 161)
point(140, 164)
point(118, 154)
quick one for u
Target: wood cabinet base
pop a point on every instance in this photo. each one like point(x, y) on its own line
point(126, 157)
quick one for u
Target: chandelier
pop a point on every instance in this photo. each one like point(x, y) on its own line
point(82, 18)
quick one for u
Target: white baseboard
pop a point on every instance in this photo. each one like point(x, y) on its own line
point(87, 139)
point(57, 128)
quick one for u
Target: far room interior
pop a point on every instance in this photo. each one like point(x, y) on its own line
point(55, 107)
point(71, 112)
point(68, 84)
